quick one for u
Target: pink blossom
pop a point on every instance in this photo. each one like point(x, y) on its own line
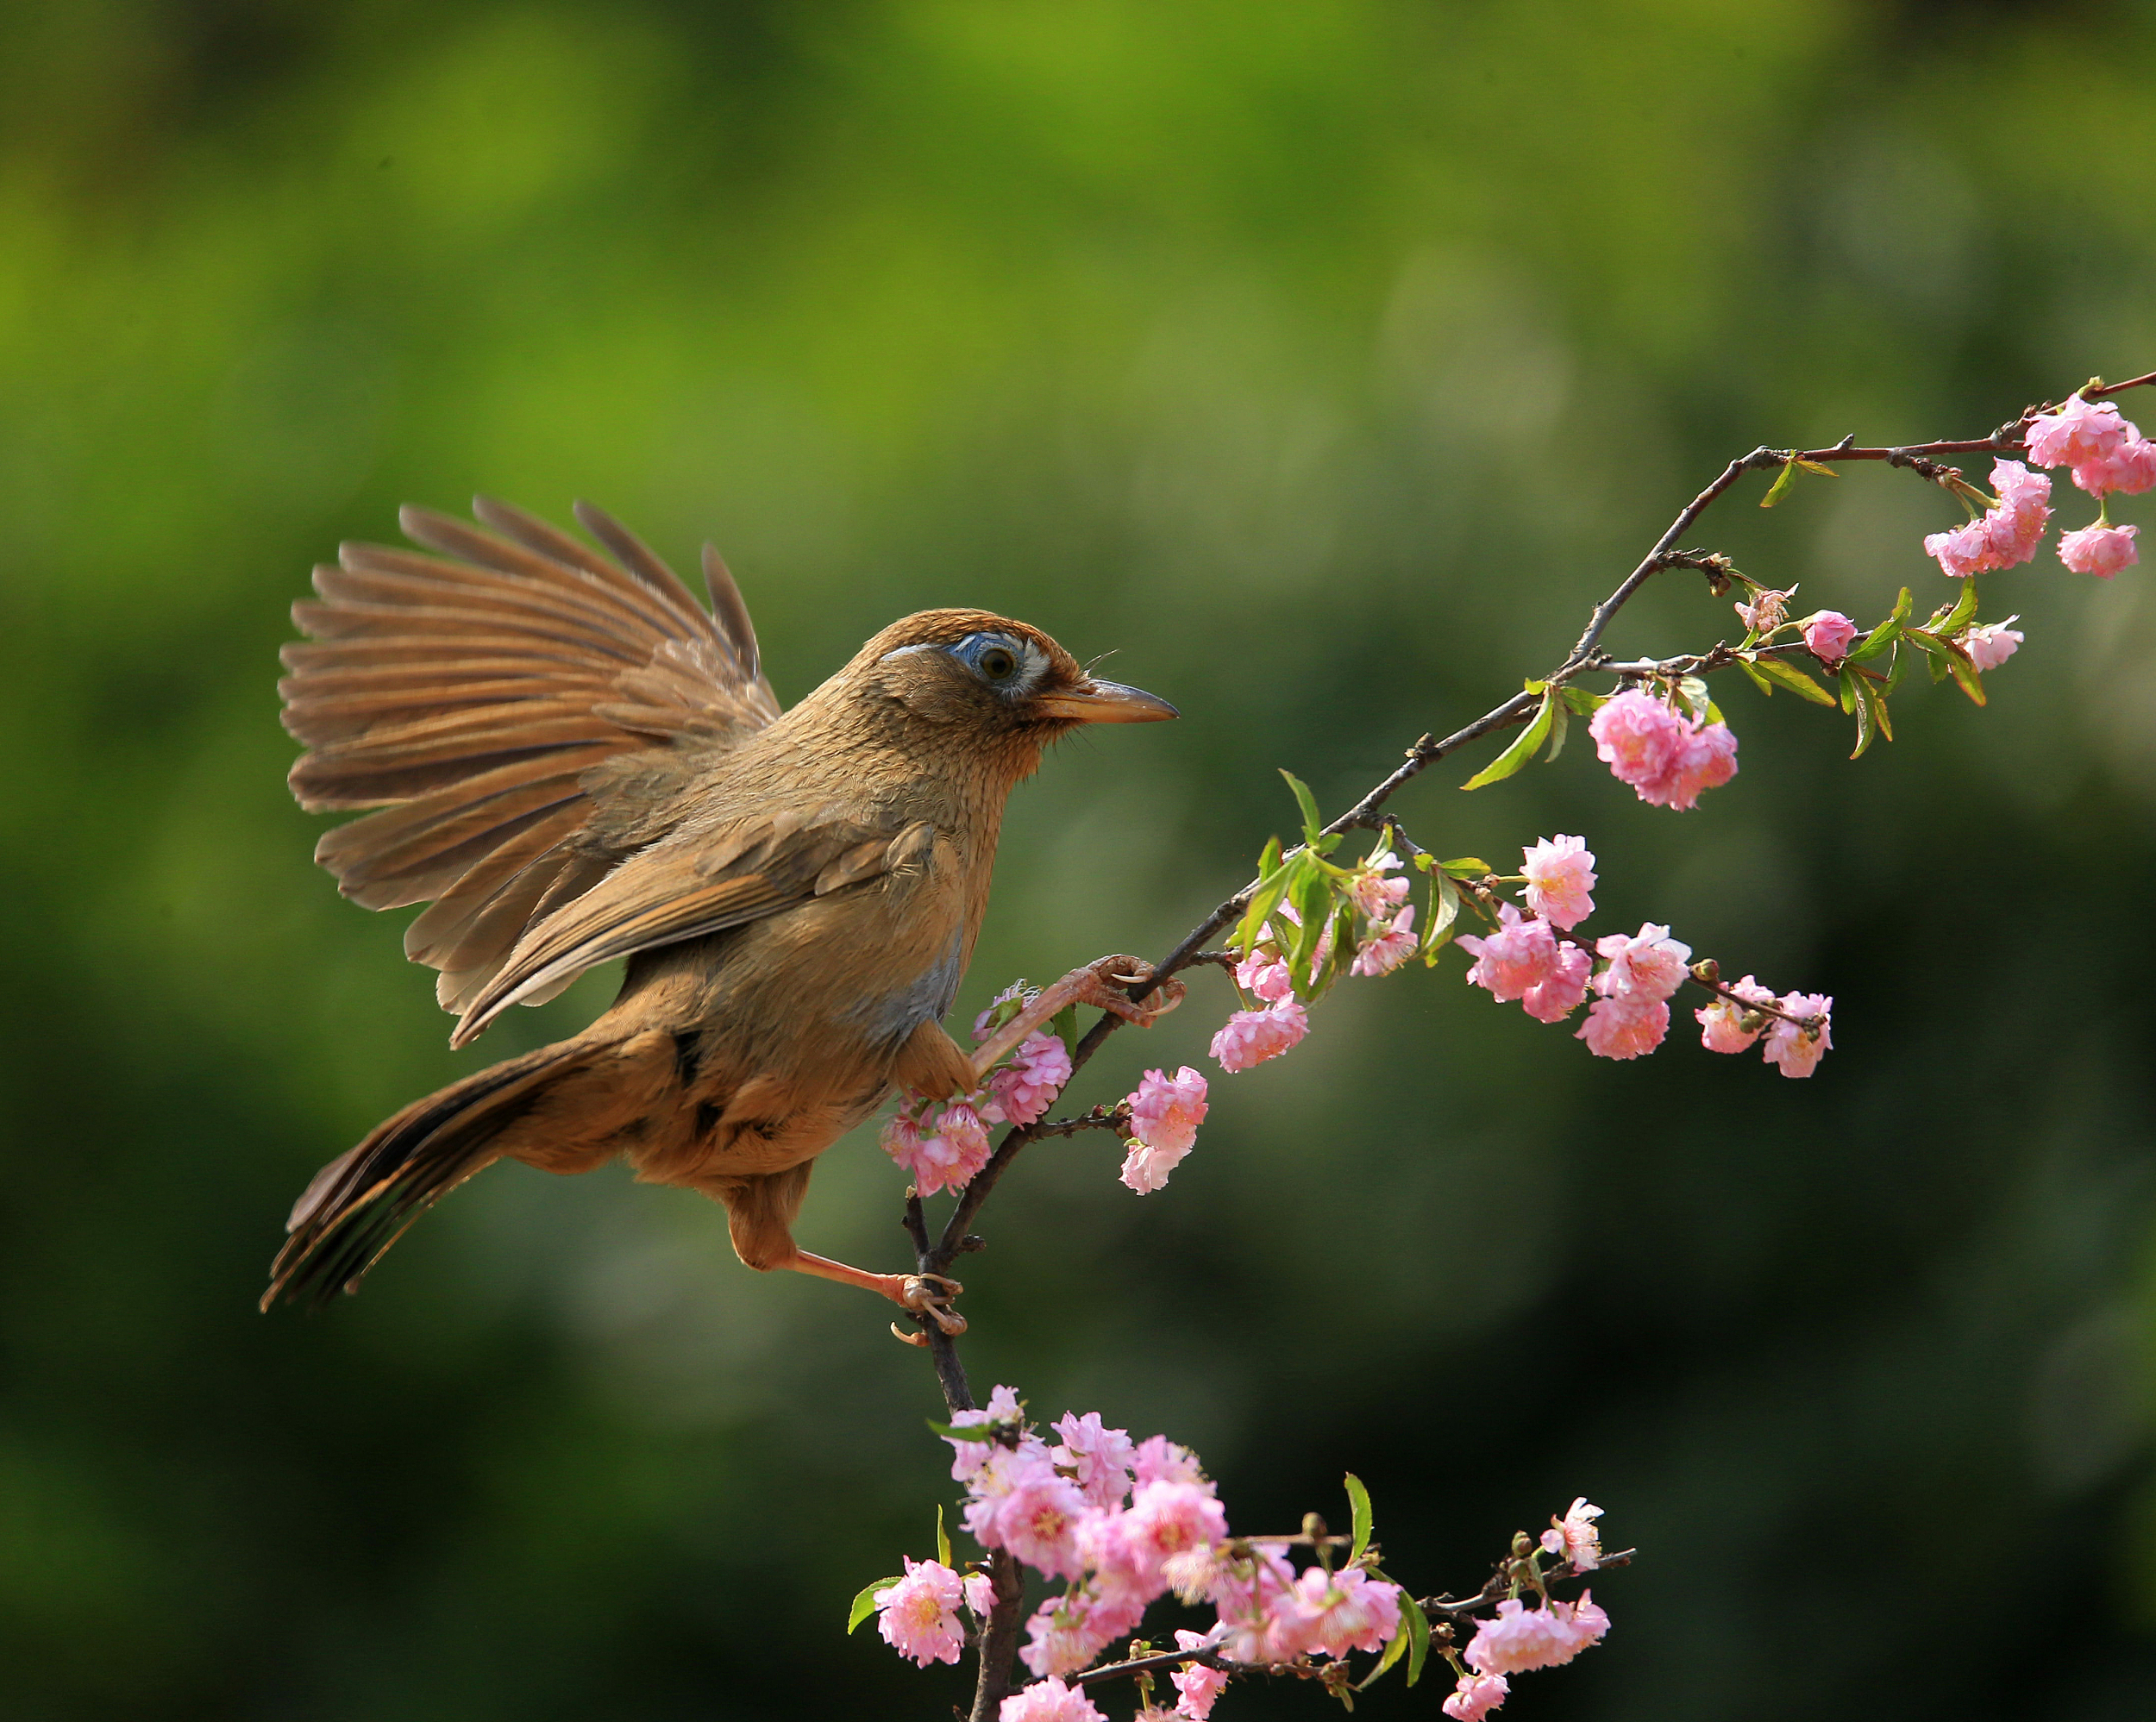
point(901, 1138)
point(1197, 1686)
point(1249, 1037)
point(2130, 467)
point(1555, 999)
point(1962, 552)
point(957, 1148)
point(1064, 1635)
point(1165, 1114)
point(1376, 896)
point(1644, 966)
point(1991, 644)
point(1387, 946)
point(969, 1456)
point(1099, 1457)
point(1025, 1087)
point(1049, 1701)
point(1721, 1024)
point(1520, 954)
point(2099, 549)
point(1767, 611)
point(1521, 1637)
point(1037, 1520)
point(1264, 977)
point(2077, 434)
point(1624, 1028)
point(2009, 533)
point(1169, 1519)
point(1665, 758)
point(1796, 1052)
point(1159, 1459)
point(1560, 872)
point(917, 1616)
point(1475, 1697)
point(1336, 1612)
point(981, 1595)
point(1573, 1537)
point(1827, 634)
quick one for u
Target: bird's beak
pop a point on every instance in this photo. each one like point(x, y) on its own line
point(1106, 702)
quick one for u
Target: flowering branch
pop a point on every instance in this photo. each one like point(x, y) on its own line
point(1297, 926)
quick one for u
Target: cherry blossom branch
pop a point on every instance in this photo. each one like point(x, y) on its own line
point(935, 1256)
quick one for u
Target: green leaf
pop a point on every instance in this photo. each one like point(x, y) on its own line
point(1560, 716)
point(865, 1604)
point(1465, 866)
point(1871, 714)
point(1064, 1026)
point(1313, 898)
point(1520, 753)
point(1756, 676)
point(1895, 669)
point(1787, 674)
point(1782, 483)
point(1848, 690)
point(1309, 803)
point(943, 1537)
point(1418, 1625)
point(1583, 701)
point(1964, 612)
point(950, 1431)
point(1265, 899)
point(1964, 672)
point(1268, 861)
point(1445, 910)
point(1883, 635)
point(1359, 1498)
point(1393, 1650)
point(1854, 689)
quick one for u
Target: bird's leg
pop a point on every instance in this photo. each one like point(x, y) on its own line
point(1104, 984)
point(927, 1295)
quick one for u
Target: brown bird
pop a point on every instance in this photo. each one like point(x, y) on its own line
point(575, 762)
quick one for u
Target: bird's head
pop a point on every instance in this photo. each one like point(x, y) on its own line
point(991, 680)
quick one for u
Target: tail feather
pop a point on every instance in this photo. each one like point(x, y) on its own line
point(359, 1205)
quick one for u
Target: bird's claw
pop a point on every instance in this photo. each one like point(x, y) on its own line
point(928, 1296)
point(1112, 978)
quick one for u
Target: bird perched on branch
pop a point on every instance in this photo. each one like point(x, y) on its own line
point(573, 760)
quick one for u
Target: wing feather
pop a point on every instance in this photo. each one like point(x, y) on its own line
point(467, 692)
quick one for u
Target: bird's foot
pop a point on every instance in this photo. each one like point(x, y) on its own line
point(928, 1296)
point(1107, 983)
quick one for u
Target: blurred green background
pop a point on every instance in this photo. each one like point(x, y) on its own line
point(1324, 360)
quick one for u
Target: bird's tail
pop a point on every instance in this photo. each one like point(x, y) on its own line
point(361, 1202)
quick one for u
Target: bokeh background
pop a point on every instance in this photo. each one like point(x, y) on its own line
point(1322, 360)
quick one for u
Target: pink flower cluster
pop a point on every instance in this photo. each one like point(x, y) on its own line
point(1125, 1523)
point(1522, 1638)
point(1524, 959)
point(2010, 531)
point(943, 1146)
point(1631, 1013)
point(2105, 452)
point(1667, 758)
point(1794, 1050)
point(1165, 1114)
point(2101, 550)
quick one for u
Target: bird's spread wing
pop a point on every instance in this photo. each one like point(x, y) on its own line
point(485, 699)
point(672, 892)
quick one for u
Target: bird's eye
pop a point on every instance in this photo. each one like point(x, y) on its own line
point(999, 663)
